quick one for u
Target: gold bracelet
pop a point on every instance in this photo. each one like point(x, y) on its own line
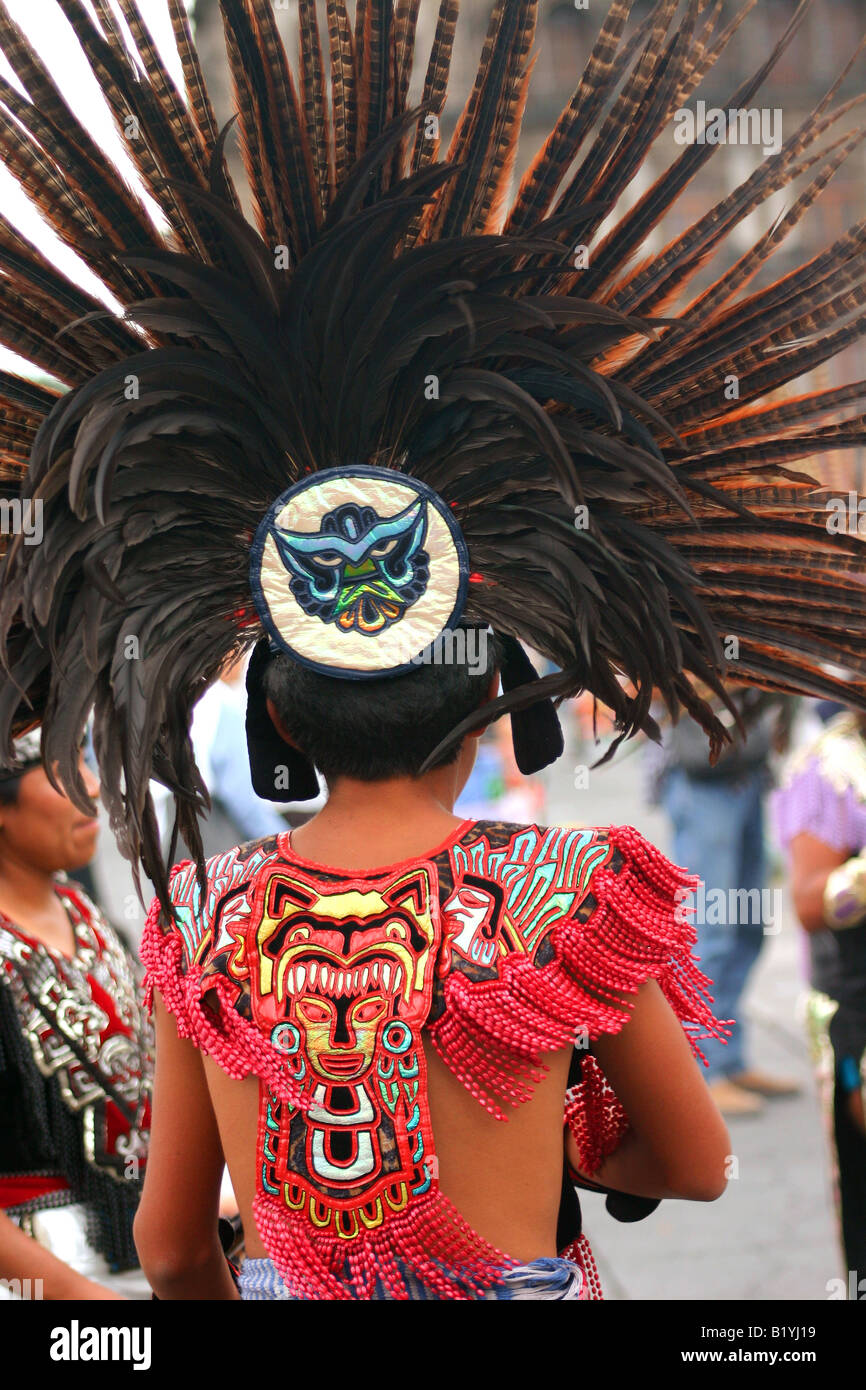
point(845, 895)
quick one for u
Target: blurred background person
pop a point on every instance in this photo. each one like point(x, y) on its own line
point(75, 1056)
point(496, 789)
point(717, 817)
point(820, 818)
point(219, 740)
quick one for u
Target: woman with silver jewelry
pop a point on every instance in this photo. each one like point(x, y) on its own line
point(75, 1056)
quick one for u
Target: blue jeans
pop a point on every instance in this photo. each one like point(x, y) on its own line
point(719, 835)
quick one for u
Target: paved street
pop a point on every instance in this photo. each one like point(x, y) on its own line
point(772, 1234)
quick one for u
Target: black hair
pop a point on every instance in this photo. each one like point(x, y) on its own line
point(9, 785)
point(386, 727)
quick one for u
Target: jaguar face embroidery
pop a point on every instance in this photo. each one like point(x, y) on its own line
point(343, 982)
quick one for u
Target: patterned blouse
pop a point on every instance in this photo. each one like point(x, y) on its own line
point(76, 1061)
point(823, 794)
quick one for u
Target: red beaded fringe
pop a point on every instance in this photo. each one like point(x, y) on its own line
point(594, 1116)
point(492, 1033)
point(236, 1045)
point(580, 1253)
point(427, 1244)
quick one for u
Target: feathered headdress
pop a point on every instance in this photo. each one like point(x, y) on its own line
point(408, 401)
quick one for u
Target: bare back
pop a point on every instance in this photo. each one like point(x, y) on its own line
point(504, 1178)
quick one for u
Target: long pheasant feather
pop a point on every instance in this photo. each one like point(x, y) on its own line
point(192, 73)
point(314, 100)
point(436, 81)
point(343, 88)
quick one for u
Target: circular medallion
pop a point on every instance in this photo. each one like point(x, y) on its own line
point(397, 1036)
point(286, 1038)
point(355, 571)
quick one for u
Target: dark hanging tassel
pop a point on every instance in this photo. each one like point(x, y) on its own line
point(535, 732)
point(267, 751)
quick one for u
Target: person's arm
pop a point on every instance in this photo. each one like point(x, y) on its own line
point(812, 862)
point(22, 1257)
point(176, 1230)
point(677, 1145)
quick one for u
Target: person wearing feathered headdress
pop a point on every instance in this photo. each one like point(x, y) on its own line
point(396, 413)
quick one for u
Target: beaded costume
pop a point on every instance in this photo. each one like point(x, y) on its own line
point(506, 942)
point(408, 404)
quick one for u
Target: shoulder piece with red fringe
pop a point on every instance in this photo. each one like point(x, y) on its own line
point(506, 943)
